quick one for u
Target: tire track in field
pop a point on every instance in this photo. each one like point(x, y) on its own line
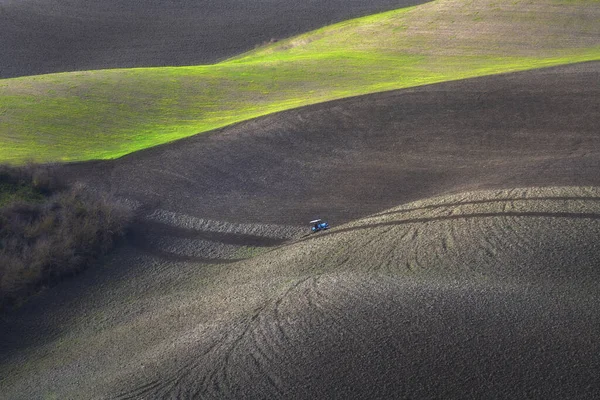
point(340, 311)
point(350, 328)
point(252, 342)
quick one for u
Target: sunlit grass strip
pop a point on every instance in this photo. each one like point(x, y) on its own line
point(108, 113)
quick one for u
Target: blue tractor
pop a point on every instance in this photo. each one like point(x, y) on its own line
point(318, 225)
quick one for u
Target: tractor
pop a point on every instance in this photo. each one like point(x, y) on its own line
point(318, 225)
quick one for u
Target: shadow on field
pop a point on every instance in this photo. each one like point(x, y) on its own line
point(342, 160)
point(347, 159)
point(144, 228)
point(144, 235)
point(176, 257)
point(42, 36)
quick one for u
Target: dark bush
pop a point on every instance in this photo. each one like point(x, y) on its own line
point(39, 177)
point(43, 241)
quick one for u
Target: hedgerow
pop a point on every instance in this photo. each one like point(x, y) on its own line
point(49, 230)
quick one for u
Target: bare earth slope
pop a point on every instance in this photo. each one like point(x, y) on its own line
point(43, 36)
point(478, 295)
point(347, 159)
point(471, 294)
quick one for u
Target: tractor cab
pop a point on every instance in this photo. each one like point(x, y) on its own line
point(318, 225)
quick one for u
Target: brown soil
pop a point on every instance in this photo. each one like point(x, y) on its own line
point(43, 36)
point(346, 159)
point(473, 294)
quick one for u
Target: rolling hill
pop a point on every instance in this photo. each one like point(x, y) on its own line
point(109, 113)
point(352, 157)
point(48, 36)
point(453, 291)
point(462, 260)
point(477, 294)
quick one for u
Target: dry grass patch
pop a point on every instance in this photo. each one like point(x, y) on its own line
point(49, 231)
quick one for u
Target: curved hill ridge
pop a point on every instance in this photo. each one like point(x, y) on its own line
point(456, 28)
point(109, 113)
point(490, 293)
point(427, 286)
point(349, 158)
point(45, 36)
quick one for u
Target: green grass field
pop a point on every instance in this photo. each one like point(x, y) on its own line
point(108, 113)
